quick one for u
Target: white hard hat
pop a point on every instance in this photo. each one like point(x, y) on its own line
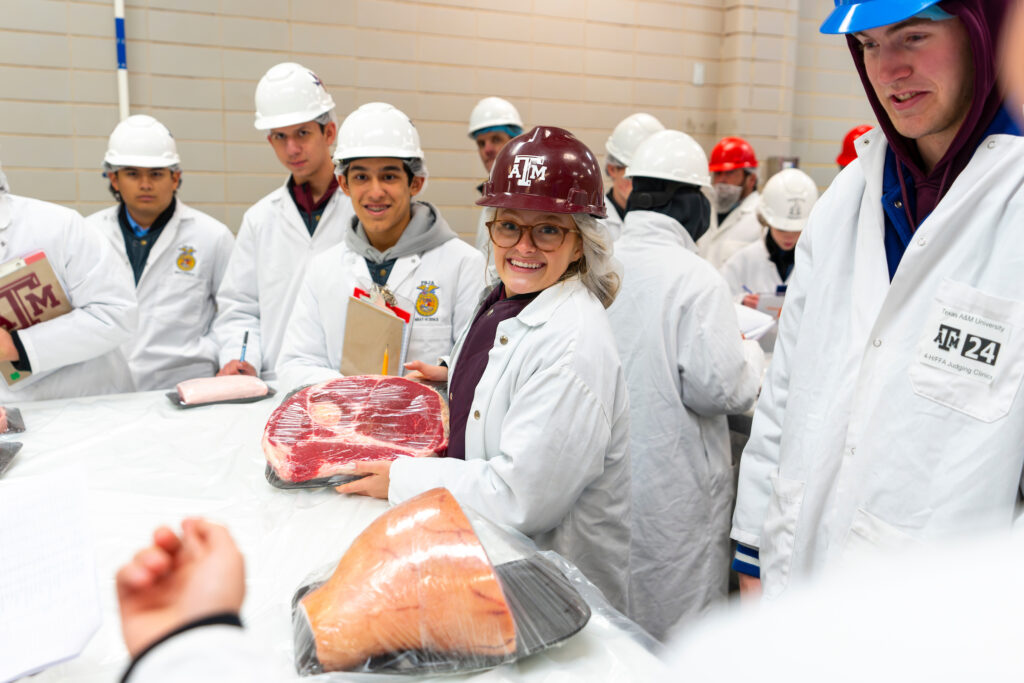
point(628, 135)
point(670, 155)
point(493, 111)
point(141, 141)
point(377, 129)
point(786, 200)
point(289, 94)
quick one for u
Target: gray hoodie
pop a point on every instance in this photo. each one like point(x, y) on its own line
point(425, 231)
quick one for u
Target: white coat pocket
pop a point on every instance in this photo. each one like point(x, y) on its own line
point(779, 534)
point(430, 341)
point(870, 535)
point(970, 356)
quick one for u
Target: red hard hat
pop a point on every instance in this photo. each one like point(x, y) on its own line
point(546, 169)
point(849, 153)
point(730, 154)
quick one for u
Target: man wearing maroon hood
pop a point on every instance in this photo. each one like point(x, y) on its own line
point(892, 413)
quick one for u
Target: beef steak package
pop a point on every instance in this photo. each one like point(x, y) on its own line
point(431, 588)
point(318, 430)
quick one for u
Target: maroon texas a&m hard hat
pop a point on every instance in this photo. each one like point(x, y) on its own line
point(546, 169)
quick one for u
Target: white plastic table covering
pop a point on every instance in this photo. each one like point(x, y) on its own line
point(151, 463)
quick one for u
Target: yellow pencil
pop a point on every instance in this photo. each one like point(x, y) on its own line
point(384, 370)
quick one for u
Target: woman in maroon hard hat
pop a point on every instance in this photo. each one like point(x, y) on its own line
point(539, 414)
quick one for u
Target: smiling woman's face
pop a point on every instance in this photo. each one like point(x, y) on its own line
point(524, 268)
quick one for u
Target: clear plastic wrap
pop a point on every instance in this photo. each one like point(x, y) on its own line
point(11, 421)
point(205, 391)
point(431, 588)
point(321, 428)
point(8, 449)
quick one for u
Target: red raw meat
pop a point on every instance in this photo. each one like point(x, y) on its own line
point(366, 417)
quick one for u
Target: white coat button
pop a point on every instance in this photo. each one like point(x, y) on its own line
point(853, 450)
point(898, 204)
point(991, 144)
point(504, 339)
point(476, 414)
point(877, 343)
point(921, 242)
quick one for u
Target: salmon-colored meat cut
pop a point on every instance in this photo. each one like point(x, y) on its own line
point(416, 579)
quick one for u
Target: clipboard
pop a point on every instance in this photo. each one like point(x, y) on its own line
point(30, 293)
point(373, 342)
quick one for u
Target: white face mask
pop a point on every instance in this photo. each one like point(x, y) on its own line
point(726, 196)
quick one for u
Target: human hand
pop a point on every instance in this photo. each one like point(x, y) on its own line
point(237, 367)
point(8, 351)
point(750, 587)
point(375, 483)
point(178, 580)
point(424, 372)
point(750, 300)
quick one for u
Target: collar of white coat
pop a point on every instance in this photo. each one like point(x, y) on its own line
point(540, 310)
point(871, 149)
point(641, 226)
point(747, 206)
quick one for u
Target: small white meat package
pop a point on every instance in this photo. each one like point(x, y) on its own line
point(202, 390)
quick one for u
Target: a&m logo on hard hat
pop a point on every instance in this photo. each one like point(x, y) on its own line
point(426, 302)
point(187, 259)
point(527, 168)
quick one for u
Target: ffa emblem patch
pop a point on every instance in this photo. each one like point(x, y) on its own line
point(186, 259)
point(426, 302)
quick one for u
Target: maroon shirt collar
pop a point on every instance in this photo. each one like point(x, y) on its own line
point(303, 195)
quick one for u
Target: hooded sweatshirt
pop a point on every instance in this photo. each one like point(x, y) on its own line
point(425, 231)
point(905, 176)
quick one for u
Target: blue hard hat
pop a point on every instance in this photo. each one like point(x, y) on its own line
point(850, 16)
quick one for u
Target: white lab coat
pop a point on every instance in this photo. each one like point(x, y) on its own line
point(859, 439)
point(176, 295)
point(739, 229)
point(930, 614)
point(312, 347)
point(547, 437)
point(613, 221)
point(205, 654)
point(687, 368)
point(270, 257)
point(76, 354)
point(752, 267)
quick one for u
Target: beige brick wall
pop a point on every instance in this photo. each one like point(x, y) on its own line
point(829, 98)
point(581, 64)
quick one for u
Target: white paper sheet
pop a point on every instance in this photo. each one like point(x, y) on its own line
point(49, 600)
point(753, 323)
